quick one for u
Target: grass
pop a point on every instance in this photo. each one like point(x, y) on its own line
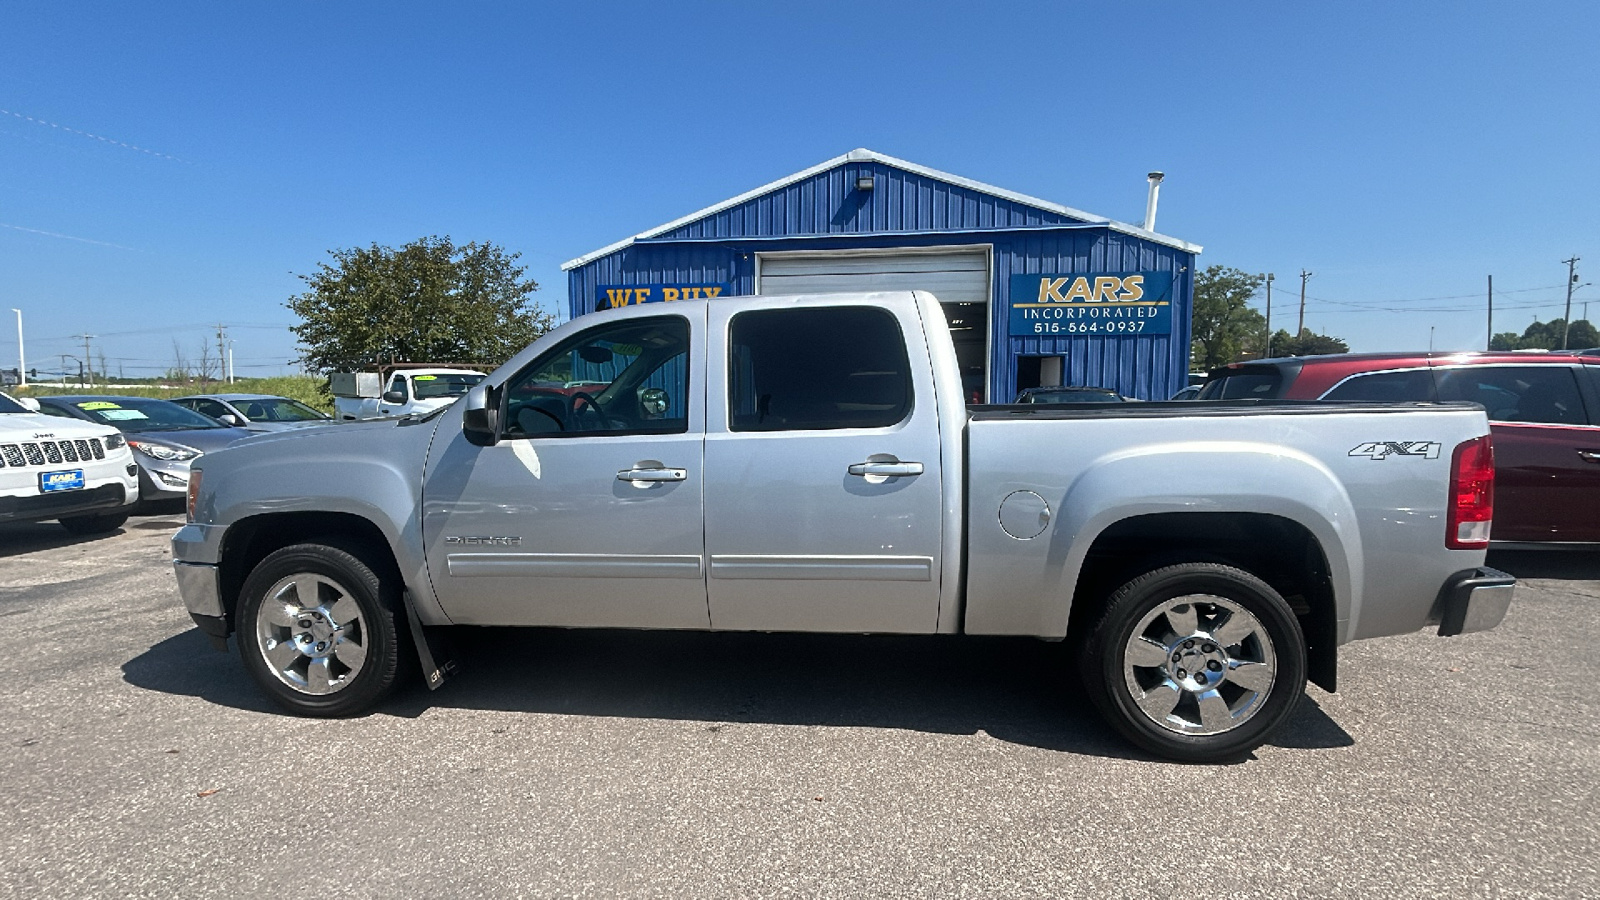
point(305, 388)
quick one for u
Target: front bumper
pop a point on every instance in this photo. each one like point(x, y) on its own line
point(199, 585)
point(1474, 600)
point(103, 500)
point(161, 479)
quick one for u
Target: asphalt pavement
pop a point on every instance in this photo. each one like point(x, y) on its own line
point(139, 762)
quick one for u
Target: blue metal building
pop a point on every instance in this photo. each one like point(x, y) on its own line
point(1036, 292)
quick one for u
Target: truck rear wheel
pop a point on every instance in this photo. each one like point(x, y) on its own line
point(320, 631)
point(1198, 662)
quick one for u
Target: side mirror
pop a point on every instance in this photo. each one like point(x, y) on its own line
point(29, 403)
point(230, 419)
point(393, 397)
point(480, 416)
point(653, 401)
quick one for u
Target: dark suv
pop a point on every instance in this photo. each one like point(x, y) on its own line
point(1544, 411)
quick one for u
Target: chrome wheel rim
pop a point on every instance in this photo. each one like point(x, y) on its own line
point(1199, 665)
point(311, 634)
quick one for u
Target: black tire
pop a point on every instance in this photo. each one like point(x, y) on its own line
point(383, 630)
point(94, 524)
point(1135, 653)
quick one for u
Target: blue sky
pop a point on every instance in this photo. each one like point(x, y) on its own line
point(166, 166)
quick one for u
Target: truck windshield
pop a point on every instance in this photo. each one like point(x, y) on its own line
point(8, 405)
point(429, 387)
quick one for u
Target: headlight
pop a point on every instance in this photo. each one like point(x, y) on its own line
point(163, 452)
point(115, 441)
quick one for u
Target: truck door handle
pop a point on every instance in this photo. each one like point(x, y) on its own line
point(887, 469)
point(1590, 455)
point(662, 473)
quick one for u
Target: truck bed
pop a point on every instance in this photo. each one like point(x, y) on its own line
point(1145, 471)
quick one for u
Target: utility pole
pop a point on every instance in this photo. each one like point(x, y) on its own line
point(1488, 343)
point(1267, 354)
point(1572, 278)
point(82, 363)
point(1302, 327)
point(222, 353)
point(22, 362)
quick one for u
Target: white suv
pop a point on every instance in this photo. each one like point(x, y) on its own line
point(79, 473)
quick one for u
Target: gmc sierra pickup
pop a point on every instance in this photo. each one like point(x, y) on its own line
point(807, 464)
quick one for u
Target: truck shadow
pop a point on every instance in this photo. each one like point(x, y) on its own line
point(1566, 565)
point(19, 538)
point(1014, 689)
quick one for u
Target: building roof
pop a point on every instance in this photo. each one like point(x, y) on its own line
point(865, 155)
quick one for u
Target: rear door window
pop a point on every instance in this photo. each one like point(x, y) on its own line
point(1413, 385)
point(808, 369)
point(1544, 394)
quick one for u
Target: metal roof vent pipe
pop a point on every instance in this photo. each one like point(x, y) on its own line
point(1150, 204)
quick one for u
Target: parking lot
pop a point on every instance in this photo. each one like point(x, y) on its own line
point(140, 762)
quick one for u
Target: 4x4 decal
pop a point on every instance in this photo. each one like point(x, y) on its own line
point(1385, 449)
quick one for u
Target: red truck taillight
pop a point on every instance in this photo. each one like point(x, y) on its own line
point(1471, 495)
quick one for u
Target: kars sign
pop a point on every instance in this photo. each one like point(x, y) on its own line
point(1091, 303)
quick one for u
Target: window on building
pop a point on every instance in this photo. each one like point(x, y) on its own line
point(807, 369)
point(1517, 393)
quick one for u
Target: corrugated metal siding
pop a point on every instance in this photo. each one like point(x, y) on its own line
point(829, 213)
point(899, 201)
point(1150, 368)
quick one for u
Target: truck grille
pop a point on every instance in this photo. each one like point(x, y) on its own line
point(51, 452)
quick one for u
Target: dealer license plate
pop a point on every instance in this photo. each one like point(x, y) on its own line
point(71, 480)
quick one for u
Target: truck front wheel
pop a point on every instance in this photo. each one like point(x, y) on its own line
point(320, 631)
point(1198, 662)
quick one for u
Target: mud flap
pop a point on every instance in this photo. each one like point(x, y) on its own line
point(433, 650)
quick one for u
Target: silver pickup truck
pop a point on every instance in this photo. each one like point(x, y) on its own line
point(807, 464)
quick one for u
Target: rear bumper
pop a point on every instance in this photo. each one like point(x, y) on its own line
point(1474, 600)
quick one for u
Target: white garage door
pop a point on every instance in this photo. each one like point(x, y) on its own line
point(953, 276)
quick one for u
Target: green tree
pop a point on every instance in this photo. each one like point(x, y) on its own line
point(1505, 340)
point(1547, 336)
point(427, 301)
point(1307, 343)
point(1224, 322)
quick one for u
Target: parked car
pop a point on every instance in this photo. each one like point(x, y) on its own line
point(1189, 393)
point(255, 412)
point(165, 437)
point(1544, 411)
point(1069, 394)
point(1205, 562)
point(78, 473)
